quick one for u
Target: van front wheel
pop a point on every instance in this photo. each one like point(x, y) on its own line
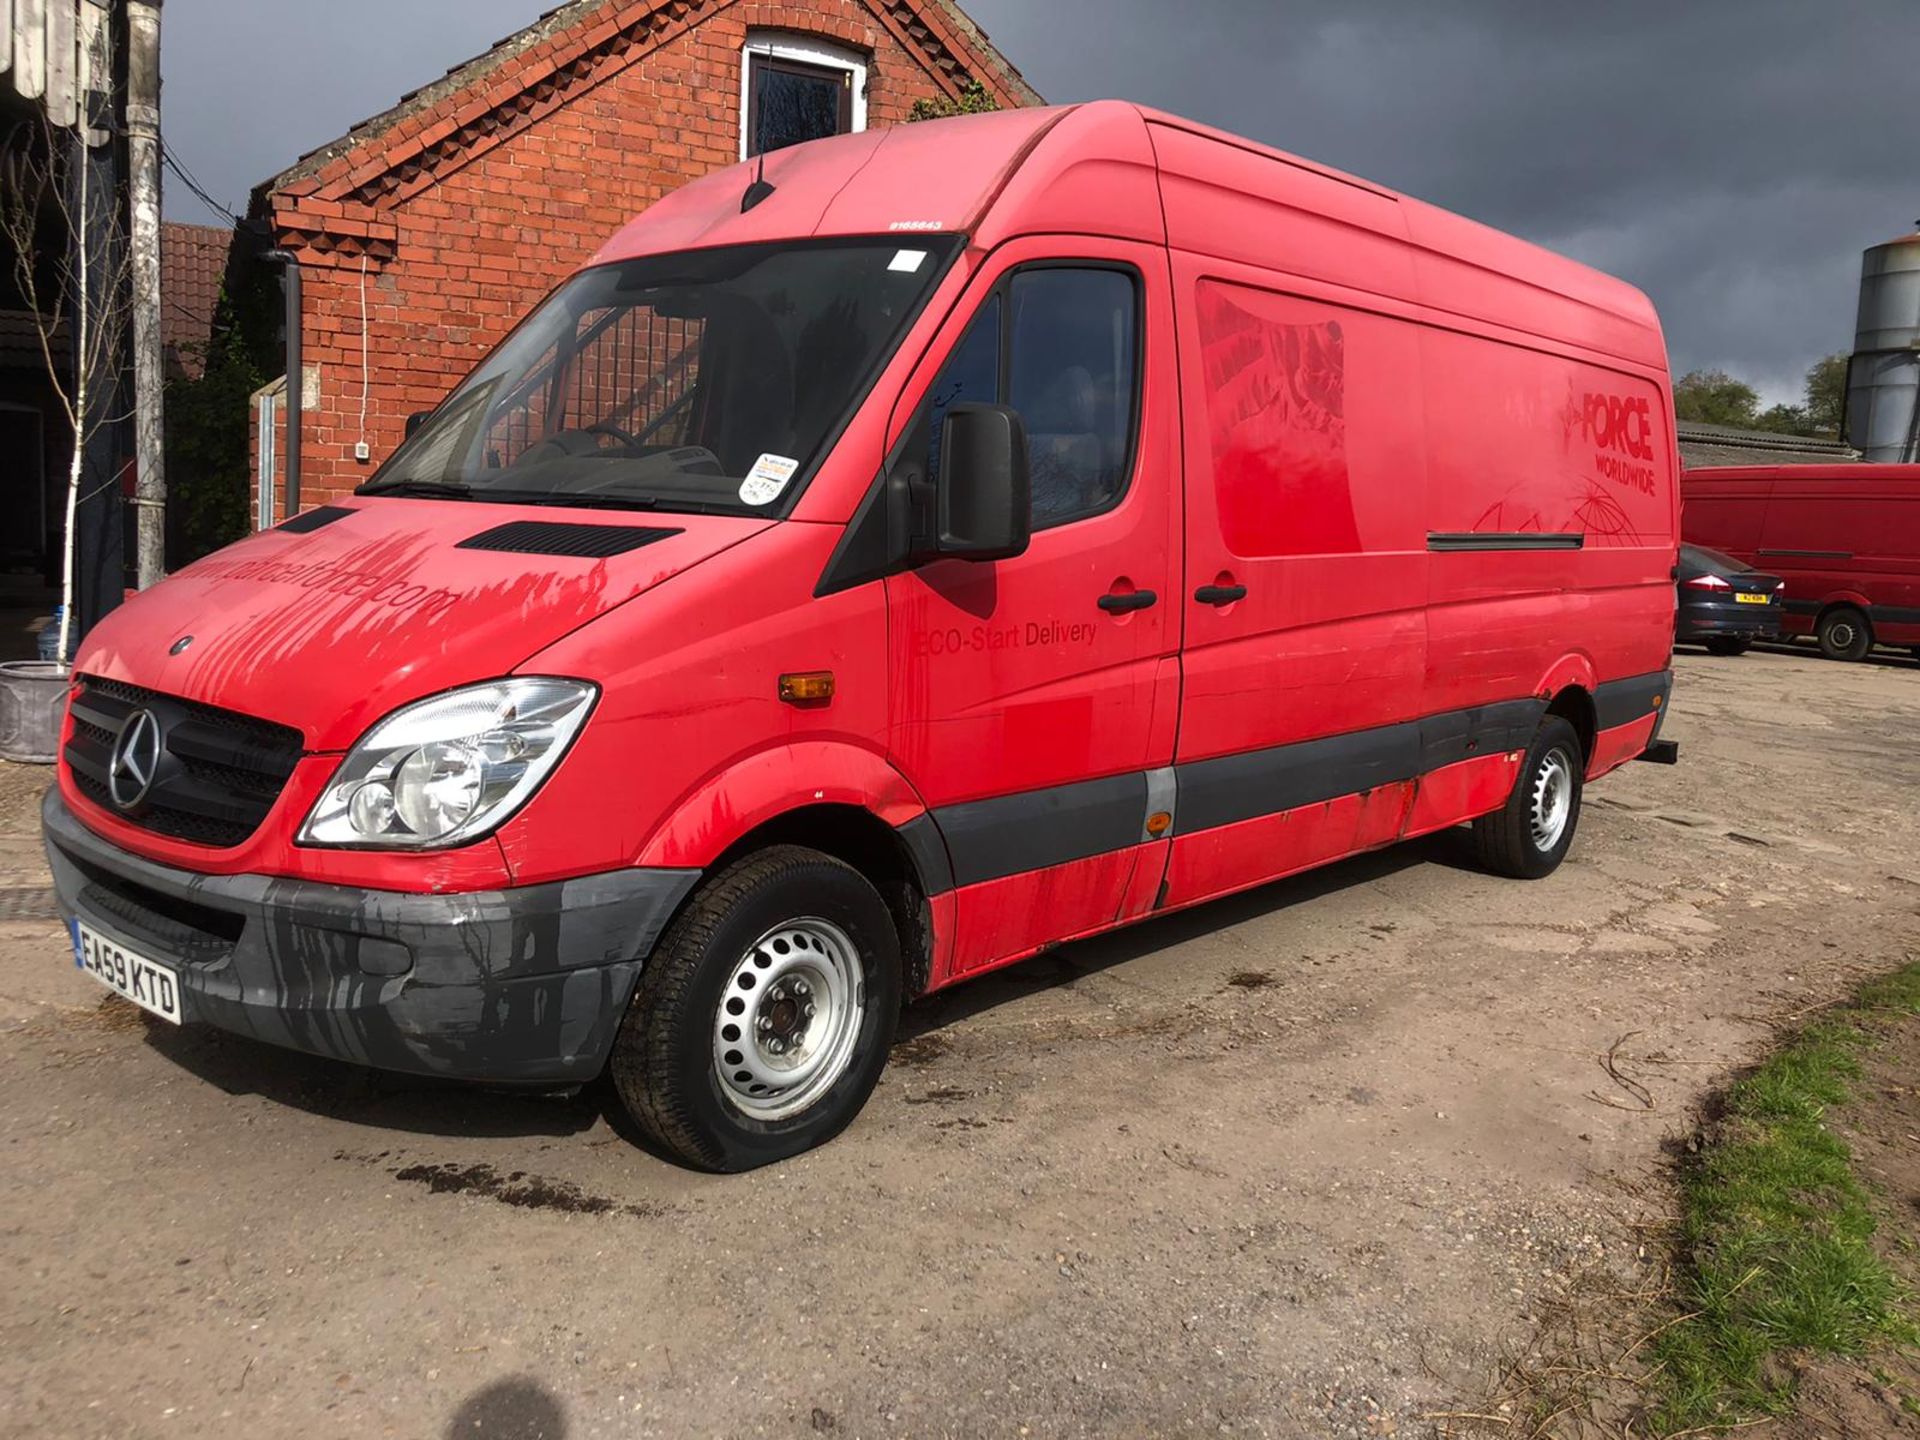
point(760, 1024)
point(1528, 837)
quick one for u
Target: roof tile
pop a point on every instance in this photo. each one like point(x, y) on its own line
point(193, 268)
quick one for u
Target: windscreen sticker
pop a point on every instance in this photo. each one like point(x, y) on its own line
point(767, 479)
point(908, 262)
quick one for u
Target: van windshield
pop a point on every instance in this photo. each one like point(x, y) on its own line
point(709, 380)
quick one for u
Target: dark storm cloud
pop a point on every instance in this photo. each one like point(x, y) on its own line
point(253, 84)
point(1731, 157)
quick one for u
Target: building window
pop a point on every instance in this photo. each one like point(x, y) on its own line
point(793, 90)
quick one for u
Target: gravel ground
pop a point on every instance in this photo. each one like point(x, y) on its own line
point(1305, 1162)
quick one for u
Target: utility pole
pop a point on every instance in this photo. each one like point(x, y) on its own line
point(149, 373)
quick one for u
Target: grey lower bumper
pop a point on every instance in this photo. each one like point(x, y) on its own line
point(524, 985)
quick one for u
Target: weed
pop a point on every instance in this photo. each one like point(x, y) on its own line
point(1776, 1234)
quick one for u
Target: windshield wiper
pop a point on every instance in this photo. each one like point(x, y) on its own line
point(455, 490)
point(419, 489)
point(564, 498)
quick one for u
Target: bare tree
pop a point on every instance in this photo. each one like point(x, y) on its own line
point(73, 268)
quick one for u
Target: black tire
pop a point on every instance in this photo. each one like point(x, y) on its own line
point(665, 1060)
point(1844, 634)
point(1505, 841)
point(1727, 645)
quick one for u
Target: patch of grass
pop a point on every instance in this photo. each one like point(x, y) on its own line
point(1898, 993)
point(1776, 1232)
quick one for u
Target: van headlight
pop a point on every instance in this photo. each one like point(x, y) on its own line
point(447, 770)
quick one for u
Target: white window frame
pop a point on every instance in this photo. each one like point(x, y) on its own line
point(779, 45)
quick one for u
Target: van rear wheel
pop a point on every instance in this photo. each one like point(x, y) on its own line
point(1844, 634)
point(1529, 836)
point(760, 1024)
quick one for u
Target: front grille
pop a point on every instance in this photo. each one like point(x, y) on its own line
point(219, 773)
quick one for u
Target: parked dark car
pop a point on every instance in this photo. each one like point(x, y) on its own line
point(1725, 604)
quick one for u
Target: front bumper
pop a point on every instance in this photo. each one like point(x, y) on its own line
point(525, 985)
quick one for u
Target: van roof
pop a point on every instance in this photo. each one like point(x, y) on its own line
point(1092, 168)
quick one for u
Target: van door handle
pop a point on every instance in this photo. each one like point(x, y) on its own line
point(1220, 594)
point(1131, 600)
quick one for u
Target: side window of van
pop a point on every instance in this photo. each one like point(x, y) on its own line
point(972, 376)
point(1072, 364)
point(1060, 344)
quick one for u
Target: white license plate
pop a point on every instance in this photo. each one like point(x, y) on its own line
point(151, 986)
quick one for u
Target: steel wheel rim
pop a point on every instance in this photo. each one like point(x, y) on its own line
point(1841, 634)
point(789, 1019)
point(1552, 800)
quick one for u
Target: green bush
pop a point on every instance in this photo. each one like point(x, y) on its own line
point(209, 471)
point(974, 100)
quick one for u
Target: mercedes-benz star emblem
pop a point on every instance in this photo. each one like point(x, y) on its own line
point(136, 760)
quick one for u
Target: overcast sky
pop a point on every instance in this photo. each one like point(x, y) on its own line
point(1731, 157)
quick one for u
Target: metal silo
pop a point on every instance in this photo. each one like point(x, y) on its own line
point(1883, 385)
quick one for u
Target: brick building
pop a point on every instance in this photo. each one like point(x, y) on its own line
point(426, 232)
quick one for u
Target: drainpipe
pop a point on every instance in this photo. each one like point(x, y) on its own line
point(149, 365)
point(296, 379)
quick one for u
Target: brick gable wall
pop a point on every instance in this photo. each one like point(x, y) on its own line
point(456, 252)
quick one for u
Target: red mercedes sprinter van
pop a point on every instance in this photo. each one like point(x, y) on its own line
point(1845, 538)
point(965, 538)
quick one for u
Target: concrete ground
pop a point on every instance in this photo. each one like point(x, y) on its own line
point(1307, 1162)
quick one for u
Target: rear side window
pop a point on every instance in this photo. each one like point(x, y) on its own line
point(1061, 345)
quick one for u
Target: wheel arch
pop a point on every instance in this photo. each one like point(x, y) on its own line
point(1568, 689)
point(757, 788)
point(1574, 704)
point(1849, 599)
point(880, 853)
point(1845, 601)
point(840, 799)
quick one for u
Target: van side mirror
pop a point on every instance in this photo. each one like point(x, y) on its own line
point(984, 509)
point(416, 420)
